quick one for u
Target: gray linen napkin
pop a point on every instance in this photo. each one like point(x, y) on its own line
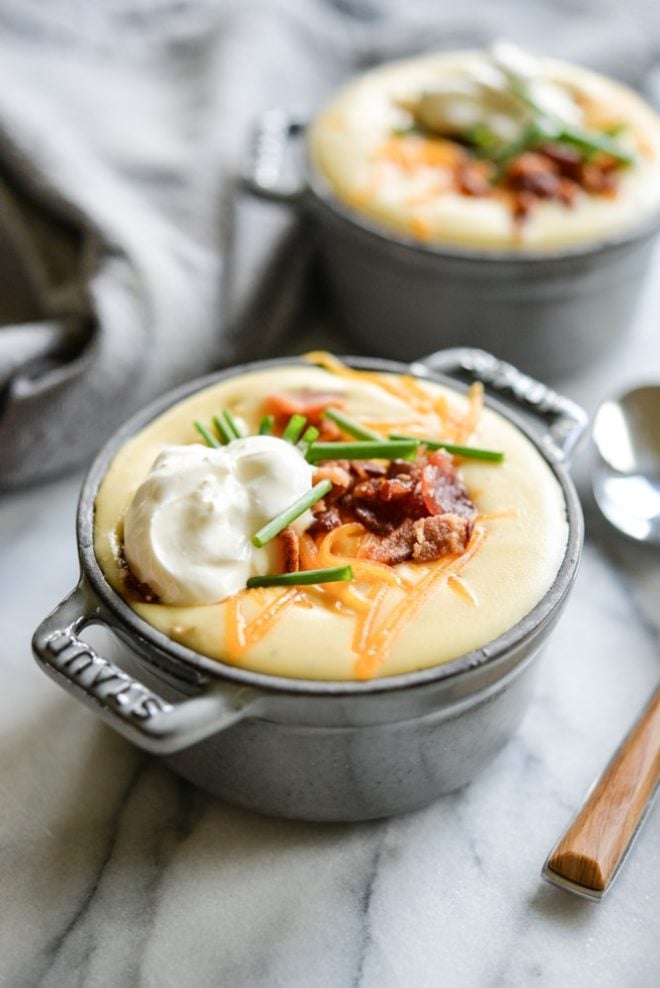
point(128, 262)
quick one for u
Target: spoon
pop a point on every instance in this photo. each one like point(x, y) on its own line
point(626, 471)
point(626, 484)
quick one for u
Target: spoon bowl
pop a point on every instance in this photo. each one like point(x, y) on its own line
point(626, 470)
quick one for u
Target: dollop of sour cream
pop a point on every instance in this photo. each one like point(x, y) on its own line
point(188, 529)
point(487, 94)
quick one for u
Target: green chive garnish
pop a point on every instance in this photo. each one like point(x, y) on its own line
point(295, 426)
point(350, 426)
point(222, 430)
point(266, 425)
point(586, 140)
point(231, 424)
point(280, 522)
point(206, 435)
point(309, 436)
point(591, 142)
point(469, 452)
point(384, 449)
point(302, 578)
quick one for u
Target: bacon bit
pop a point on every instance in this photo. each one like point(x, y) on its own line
point(442, 490)
point(311, 404)
point(599, 178)
point(135, 588)
point(423, 540)
point(339, 476)
point(568, 190)
point(472, 179)
point(567, 160)
point(324, 521)
point(329, 431)
point(535, 173)
point(397, 547)
point(441, 535)
point(290, 546)
point(367, 468)
point(523, 204)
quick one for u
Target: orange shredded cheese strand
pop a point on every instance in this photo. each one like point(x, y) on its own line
point(364, 627)
point(364, 570)
point(476, 404)
point(382, 639)
point(241, 634)
point(411, 153)
point(396, 387)
point(341, 592)
point(235, 626)
point(497, 515)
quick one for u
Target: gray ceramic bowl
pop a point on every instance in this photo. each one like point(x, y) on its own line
point(549, 313)
point(308, 749)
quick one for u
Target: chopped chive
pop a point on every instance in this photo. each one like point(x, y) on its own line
point(350, 426)
point(592, 141)
point(231, 424)
point(309, 436)
point(384, 449)
point(469, 452)
point(266, 425)
point(295, 426)
point(209, 439)
point(280, 522)
point(587, 140)
point(302, 578)
point(222, 430)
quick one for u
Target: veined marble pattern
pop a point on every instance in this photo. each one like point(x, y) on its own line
point(116, 873)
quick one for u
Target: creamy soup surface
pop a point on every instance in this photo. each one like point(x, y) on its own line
point(441, 609)
point(371, 159)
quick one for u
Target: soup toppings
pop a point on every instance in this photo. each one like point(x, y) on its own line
point(502, 128)
point(201, 525)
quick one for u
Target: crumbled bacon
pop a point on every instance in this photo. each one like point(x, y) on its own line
point(566, 159)
point(397, 547)
point(414, 510)
point(381, 503)
point(290, 546)
point(557, 172)
point(324, 520)
point(442, 490)
point(311, 404)
point(441, 535)
point(339, 476)
point(599, 178)
point(422, 540)
point(535, 173)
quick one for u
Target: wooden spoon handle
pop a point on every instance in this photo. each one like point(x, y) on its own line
point(586, 857)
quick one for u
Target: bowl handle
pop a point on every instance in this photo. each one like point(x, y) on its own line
point(567, 422)
point(263, 170)
point(125, 703)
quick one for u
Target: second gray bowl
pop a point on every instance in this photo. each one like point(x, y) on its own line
point(549, 313)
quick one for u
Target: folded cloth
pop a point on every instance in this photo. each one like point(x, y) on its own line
point(125, 265)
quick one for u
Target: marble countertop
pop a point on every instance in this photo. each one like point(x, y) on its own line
point(114, 872)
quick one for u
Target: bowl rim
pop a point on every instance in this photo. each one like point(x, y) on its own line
point(318, 187)
point(147, 639)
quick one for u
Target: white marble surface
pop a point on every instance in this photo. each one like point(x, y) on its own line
point(113, 872)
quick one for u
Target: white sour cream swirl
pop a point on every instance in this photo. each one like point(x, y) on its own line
point(188, 528)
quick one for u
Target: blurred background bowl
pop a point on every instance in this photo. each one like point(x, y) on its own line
point(550, 312)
